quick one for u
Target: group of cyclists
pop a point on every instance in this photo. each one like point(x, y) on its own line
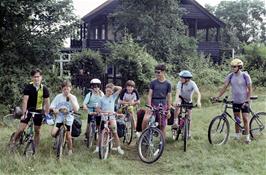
point(36, 98)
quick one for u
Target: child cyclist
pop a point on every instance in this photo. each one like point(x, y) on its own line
point(129, 96)
point(184, 92)
point(91, 101)
point(65, 101)
point(107, 105)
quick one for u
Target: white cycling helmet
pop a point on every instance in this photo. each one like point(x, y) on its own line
point(95, 81)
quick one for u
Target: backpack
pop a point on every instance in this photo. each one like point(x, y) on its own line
point(76, 127)
point(244, 76)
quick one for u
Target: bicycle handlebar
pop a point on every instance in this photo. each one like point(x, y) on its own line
point(226, 101)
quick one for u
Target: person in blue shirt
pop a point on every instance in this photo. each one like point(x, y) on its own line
point(107, 105)
point(92, 100)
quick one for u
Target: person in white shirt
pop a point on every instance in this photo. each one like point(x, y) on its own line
point(65, 101)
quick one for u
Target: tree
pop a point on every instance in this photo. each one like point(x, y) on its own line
point(134, 63)
point(31, 32)
point(157, 25)
point(244, 19)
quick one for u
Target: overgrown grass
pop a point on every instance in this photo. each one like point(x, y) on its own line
point(201, 158)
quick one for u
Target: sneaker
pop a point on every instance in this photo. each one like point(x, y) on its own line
point(114, 148)
point(247, 141)
point(96, 150)
point(70, 152)
point(237, 136)
point(138, 134)
point(120, 151)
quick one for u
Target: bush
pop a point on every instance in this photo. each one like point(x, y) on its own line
point(133, 62)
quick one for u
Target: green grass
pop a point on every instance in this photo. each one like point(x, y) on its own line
point(201, 158)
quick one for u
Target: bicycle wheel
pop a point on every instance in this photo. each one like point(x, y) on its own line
point(60, 142)
point(185, 133)
point(218, 131)
point(104, 144)
point(90, 134)
point(151, 145)
point(257, 125)
point(10, 121)
point(30, 148)
point(129, 131)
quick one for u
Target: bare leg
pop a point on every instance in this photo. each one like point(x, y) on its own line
point(22, 127)
point(37, 130)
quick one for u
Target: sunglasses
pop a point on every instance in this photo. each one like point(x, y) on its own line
point(157, 72)
point(234, 66)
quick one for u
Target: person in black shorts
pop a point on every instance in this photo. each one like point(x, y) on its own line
point(35, 99)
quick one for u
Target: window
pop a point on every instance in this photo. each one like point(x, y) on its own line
point(103, 32)
point(96, 33)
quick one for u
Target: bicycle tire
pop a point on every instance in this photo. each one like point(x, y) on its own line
point(145, 148)
point(9, 121)
point(223, 126)
point(90, 134)
point(129, 131)
point(29, 149)
point(257, 125)
point(185, 136)
point(60, 142)
point(104, 144)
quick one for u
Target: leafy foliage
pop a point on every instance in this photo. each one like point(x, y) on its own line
point(88, 60)
point(157, 25)
point(134, 62)
point(31, 32)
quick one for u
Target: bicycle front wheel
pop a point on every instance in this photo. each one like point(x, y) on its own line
point(60, 142)
point(185, 133)
point(257, 125)
point(29, 149)
point(104, 144)
point(129, 131)
point(218, 131)
point(10, 121)
point(90, 134)
point(151, 145)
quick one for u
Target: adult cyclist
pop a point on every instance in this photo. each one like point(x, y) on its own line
point(241, 88)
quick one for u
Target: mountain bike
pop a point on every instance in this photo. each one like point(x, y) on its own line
point(106, 136)
point(27, 137)
point(60, 141)
point(91, 133)
point(151, 142)
point(219, 127)
point(129, 125)
point(183, 124)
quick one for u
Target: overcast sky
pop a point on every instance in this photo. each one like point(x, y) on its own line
point(82, 7)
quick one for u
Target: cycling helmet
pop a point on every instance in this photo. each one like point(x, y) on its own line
point(236, 62)
point(95, 81)
point(185, 74)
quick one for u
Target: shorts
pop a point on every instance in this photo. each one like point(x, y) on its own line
point(163, 119)
point(37, 120)
point(58, 125)
point(60, 119)
point(97, 119)
point(238, 108)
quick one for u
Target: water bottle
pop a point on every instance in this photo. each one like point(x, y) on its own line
point(238, 120)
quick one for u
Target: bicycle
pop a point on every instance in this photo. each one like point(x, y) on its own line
point(106, 136)
point(183, 124)
point(9, 120)
point(27, 137)
point(129, 125)
point(92, 131)
point(151, 142)
point(60, 140)
point(219, 127)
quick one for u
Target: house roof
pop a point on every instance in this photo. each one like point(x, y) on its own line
point(195, 11)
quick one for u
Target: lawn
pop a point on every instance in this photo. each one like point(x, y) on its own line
point(235, 157)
